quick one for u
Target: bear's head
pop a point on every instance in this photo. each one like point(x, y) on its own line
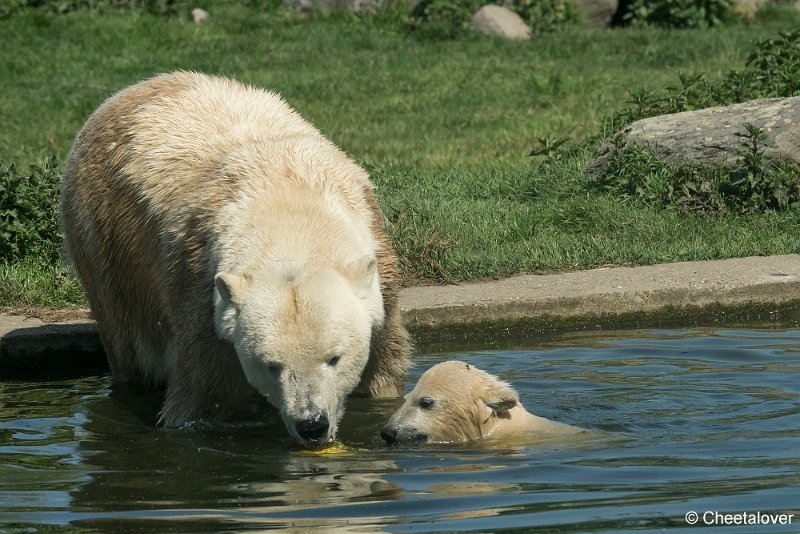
point(302, 331)
point(452, 402)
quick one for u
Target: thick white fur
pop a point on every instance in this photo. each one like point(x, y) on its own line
point(226, 246)
point(457, 402)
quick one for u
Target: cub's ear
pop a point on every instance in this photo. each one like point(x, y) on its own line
point(500, 397)
point(231, 288)
point(361, 272)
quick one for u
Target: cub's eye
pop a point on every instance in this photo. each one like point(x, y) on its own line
point(275, 368)
point(426, 403)
point(334, 360)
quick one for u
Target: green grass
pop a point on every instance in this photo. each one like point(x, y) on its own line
point(30, 282)
point(383, 95)
point(467, 223)
point(444, 126)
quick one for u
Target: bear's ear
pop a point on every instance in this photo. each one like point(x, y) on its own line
point(230, 287)
point(361, 272)
point(500, 397)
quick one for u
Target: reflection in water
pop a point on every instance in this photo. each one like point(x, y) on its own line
point(139, 467)
point(682, 419)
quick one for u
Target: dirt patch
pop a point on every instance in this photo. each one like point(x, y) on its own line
point(50, 316)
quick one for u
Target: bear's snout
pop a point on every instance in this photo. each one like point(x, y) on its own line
point(314, 429)
point(389, 434)
point(392, 434)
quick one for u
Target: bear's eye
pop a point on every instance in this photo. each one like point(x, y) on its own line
point(275, 368)
point(426, 403)
point(334, 360)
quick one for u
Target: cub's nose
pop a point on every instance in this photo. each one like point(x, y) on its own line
point(313, 429)
point(389, 434)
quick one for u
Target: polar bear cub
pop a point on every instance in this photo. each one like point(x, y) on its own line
point(457, 402)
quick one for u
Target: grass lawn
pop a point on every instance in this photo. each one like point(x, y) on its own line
point(444, 127)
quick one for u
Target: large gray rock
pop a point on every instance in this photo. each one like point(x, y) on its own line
point(597, 13)
point(709, 135)
point(500, 21)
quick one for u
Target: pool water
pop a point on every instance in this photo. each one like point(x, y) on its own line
point(703, 420)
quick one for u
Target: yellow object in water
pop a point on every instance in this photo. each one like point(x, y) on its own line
point(330, 448)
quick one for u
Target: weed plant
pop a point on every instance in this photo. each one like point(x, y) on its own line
point(547, 15)
point(30, 224)
point(678, 13)
point(753, 184)
point(771, 70)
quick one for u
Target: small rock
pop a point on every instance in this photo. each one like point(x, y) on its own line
point(199, 15)
point(747, 8)
point(500, 21)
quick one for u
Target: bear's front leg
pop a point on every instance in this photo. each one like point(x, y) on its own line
point(388, 361)
point(207, 385)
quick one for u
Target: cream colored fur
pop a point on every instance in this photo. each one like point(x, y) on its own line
point(457, 402)
point(228, 249)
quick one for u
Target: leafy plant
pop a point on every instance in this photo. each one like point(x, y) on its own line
point(762, 183)
point(546, 15)
point(753, 184)
point(443, 19)
point(552, 148)
point(29, 215)
point(774, 66)
point(772, 70)
point(678, 13)
point(692, 93)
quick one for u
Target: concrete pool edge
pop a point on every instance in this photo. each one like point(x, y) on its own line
point(541, 301)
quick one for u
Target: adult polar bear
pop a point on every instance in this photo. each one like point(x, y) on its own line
point(226, 246)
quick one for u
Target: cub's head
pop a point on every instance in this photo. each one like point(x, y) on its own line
point(302, 333)
point(452, 402)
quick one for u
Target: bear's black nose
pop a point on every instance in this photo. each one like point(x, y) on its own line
point(389, 434)
point(313, 429)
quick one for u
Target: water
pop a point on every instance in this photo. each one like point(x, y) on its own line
point(684, 420)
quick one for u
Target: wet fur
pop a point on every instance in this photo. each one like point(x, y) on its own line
point(468, 404)
point(151, 197)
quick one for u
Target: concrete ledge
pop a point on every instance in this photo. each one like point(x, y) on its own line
point(540, 301)
point(31, 346)
point(608, 292)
